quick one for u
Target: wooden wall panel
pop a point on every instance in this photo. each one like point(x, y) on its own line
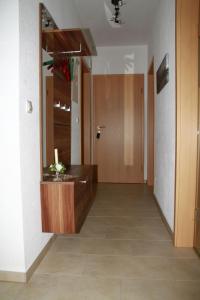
point(49, 121)
point(58, 122)
point(62, 137)
point(62, 119)
point(187, 18)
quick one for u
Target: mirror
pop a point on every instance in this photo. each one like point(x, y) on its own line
point(64, 112)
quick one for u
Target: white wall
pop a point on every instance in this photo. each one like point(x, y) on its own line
point(125, 60)
point(20, 214)
point(11, 226)
point(64, 15)
point(162, 42)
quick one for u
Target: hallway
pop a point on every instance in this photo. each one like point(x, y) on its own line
point(123, 252)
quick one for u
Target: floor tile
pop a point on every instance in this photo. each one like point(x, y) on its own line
point(117, 202)
point(47, 287)
point(62, 263)
point(123, 252)
point(138, 232)
point(9, 291)
point(143, 267)
point(117, 212)
point(158, 289)
point(93, 246)
point(160, 248)
point(120, 247)
point(125, 221)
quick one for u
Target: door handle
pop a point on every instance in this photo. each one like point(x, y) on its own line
point(98, 134)
point(99, 127)
point(83, 181)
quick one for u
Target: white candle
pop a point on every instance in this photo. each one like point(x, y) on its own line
point(56, 156)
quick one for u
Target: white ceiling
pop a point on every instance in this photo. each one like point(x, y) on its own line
point(138, 16)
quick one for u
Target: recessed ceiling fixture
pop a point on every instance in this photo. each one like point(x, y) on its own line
point(116, 16)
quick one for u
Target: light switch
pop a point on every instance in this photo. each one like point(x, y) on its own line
point(29, 107)
point(77, 120)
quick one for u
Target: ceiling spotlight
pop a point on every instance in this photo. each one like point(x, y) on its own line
point(121, 3)
point(117, 4)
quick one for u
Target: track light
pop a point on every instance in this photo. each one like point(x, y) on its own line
point(117, 4)
point(121, 3)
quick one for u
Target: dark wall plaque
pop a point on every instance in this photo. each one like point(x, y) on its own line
point(162, 74)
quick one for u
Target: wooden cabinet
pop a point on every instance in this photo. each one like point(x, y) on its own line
point(66, 204)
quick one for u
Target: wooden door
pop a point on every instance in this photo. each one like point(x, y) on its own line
point(119, 115)
point(150, 132)
point(197, 213)
point(187, 16)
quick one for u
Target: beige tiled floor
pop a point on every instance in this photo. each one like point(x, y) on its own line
point(123, 252)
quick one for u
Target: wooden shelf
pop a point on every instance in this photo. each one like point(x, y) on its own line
point(58, 41)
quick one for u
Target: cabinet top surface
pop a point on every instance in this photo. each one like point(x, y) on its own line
point(72, 174)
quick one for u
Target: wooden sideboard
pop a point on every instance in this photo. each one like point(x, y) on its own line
point(65, 204)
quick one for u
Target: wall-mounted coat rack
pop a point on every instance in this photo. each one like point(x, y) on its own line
point(73, 52)
point(74, 42)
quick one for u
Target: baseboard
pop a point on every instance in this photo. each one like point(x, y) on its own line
point(163, 218)
point(12, 276)
point(40, 257)
point(24, 277)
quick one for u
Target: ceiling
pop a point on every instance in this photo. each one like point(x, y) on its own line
point(138, 16)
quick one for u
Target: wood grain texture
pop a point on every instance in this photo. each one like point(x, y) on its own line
point(65, 205)
point(40, 90)
point(107, 113)
point(129, 129)
point(62, 119)
point(132, 169)
point(150, 135)
point(58, 207)
point(119, 106)
point(59, 40)
point(197, 214)
point(49, 121)
point(187, 117)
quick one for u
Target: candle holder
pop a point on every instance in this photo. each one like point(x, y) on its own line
point(57, 178)
point(59, 169)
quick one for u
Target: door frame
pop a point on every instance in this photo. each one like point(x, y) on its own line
point(187, 20)
point(196, 242)
point(151, 129)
